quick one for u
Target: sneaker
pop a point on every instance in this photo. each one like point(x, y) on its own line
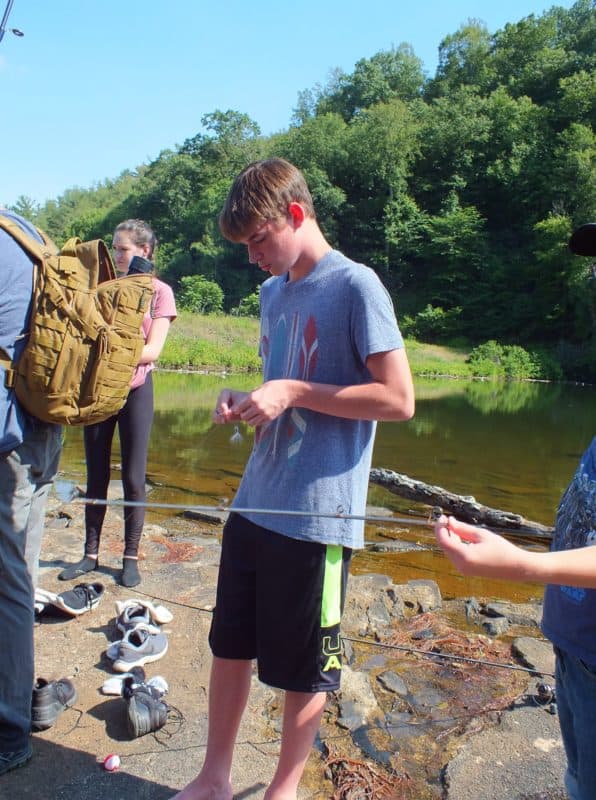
point(113, 685)
point(16, 759)
point(113, 650)
point(82, 598)
point(160, 684)
point(131, 615)
point(43, 598)
point(142, 611)
point(140, 646)
point(50, 699)
point(146, 711)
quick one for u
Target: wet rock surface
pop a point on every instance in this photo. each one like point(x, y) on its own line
point(418, 716)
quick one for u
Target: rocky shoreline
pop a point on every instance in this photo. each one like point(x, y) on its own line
point(438, 700)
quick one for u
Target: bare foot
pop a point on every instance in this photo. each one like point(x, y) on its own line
point(202, 789)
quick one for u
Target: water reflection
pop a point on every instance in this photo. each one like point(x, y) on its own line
point(513, 446)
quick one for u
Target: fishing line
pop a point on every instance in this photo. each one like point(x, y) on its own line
point(450, 656)
point(384, 645)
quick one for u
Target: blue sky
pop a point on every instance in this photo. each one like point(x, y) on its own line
point(99, 86)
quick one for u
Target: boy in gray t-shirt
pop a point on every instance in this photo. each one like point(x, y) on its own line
point(333, 364)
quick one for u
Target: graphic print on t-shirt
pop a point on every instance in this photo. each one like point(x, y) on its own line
point(290, 350)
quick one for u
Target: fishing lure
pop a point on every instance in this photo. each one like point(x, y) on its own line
point(236, 437)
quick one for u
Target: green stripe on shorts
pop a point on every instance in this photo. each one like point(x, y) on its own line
point(331, 601)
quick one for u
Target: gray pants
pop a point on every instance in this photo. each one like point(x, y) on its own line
point(26, 474)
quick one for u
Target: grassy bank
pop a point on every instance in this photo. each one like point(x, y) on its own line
point(214, 342)
point(228, 343)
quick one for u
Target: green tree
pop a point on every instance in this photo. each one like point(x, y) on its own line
point(464, 60)
point(199, 295)
point(394, 74)
point(381, 146)
point(26, 207)
point(564, 305)
point(249, 306)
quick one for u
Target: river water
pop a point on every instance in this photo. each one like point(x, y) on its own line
point(512, 446)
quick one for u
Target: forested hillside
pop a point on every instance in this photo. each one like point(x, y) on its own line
point(460, 189)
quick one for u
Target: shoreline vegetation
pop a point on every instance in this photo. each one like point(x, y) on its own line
point(227, 343)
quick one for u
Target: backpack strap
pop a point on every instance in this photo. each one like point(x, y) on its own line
point(35, 249)
point(49, 243)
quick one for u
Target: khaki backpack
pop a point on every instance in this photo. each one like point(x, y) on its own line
point(84, 338)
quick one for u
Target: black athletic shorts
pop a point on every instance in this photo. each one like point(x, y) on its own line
point(280, 600)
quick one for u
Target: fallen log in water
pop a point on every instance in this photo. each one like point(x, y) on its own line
point(466, 508)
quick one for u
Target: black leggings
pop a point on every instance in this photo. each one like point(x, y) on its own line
point(134, 427)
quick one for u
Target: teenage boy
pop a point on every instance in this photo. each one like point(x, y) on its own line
point(333, 363)
point(569, 570)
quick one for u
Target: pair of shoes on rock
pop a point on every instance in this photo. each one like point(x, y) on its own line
point(83, 597)
point(49, 700)
point(140, 645)
point(132, 612)
point(14, 759)
point(146, 710)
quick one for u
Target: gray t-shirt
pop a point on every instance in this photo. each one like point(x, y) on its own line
point(321, 328)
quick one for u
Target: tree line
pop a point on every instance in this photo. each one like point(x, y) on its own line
point(460, 189)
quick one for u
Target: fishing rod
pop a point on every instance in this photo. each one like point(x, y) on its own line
point(68, 492)
point(222, 508)
point(73, 494)
point(4, 21)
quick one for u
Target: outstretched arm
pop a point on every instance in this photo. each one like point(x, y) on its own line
point(477, 551)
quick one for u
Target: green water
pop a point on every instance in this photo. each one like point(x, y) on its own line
point(512, 446)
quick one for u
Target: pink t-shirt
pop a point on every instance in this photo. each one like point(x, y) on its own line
point(162, 305)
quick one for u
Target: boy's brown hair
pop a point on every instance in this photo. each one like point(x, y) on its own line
point(261, 192)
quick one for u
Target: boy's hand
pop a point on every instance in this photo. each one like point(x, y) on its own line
point(226, 408)
point(266, 403)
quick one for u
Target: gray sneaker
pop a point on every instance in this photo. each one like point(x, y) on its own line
point(147, 712)
point(131, 616)
point(84, 597)
point(140, 646)
point(49, 700)
point(15, 759)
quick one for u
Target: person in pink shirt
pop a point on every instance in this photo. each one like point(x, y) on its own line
point(134, 244)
